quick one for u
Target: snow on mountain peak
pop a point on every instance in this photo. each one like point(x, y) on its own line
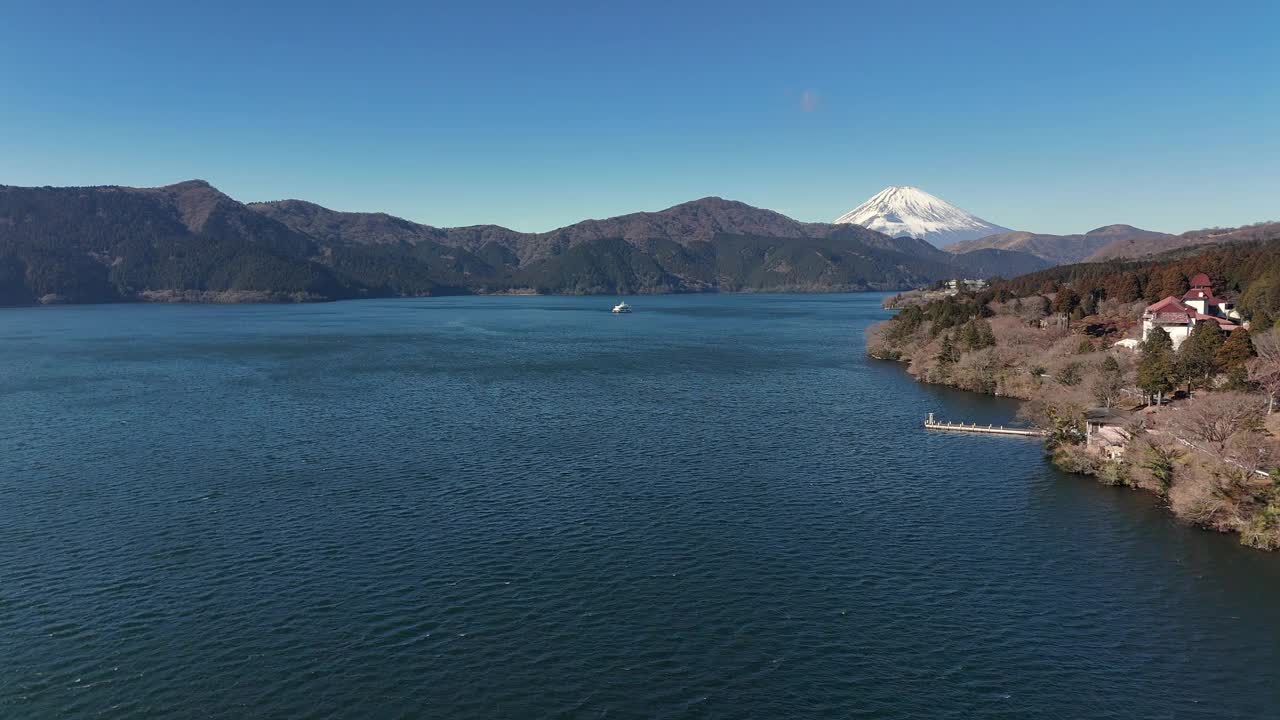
point(900, 210)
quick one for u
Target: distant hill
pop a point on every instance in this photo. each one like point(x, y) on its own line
point(1156, 243)
point(1113, 242)
point(687, 223)
point(1062, 249)
point(108, 243)
point(190, 242)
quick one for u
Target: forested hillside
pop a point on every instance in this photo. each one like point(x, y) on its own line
point(190, 242)
point(1194, 423)
point(1248, 272)
point(108, 244)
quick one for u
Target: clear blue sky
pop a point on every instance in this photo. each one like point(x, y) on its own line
point(1054, 117)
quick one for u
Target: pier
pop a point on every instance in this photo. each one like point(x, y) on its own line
point(931, 424)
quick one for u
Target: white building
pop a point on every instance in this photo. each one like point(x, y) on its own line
point(955, 286)
point(1179, 317)
point(1201, 298)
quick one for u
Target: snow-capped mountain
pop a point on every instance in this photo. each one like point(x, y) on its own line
point(905, 210)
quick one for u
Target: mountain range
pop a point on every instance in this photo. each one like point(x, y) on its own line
point(191, 242)
point(911, 212)
point(1111, 242)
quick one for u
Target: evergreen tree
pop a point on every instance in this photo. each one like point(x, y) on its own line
point(947, 354)
point(977, 334)
point(1261, 300)
point(1157, 370)
point(1124, 287)
point(1167, 281)
point(1197, 358)
point(1157, 339)
point(1066, 300)
point(1232, 356)
point(986, 336)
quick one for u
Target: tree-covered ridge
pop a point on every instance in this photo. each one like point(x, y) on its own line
point(1246, 272)
point(108, 244)
point(191, 242)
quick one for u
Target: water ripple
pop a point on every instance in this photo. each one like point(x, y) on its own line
point(468, 507)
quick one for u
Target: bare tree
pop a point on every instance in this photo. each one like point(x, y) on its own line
point(1214, 419)
point(1251, 451)
point(1265, 369)
point(1108, 383)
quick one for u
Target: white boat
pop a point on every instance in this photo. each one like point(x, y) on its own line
point(622, 307)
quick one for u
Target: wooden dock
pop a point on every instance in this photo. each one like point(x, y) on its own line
point(931, 424)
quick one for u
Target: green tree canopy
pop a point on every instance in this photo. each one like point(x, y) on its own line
point(1261, 300)
point(947, 354)
point(1232, 358)
point(1157, 370)
point(977, 334)
point(1197, 358)
point(1235, 351)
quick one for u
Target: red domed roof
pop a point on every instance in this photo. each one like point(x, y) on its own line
point(1200, 280)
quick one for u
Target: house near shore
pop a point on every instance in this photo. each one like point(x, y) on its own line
point(1106, 431)
point(1179, 316)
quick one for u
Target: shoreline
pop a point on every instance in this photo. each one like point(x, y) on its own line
point(1049, 455)
point(1202, 484)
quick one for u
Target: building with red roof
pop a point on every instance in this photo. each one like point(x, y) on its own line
point(1179, 317)
point(1201, 297)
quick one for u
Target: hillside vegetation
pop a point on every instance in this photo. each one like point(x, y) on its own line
point(1197, 426)
point(190, 242)
point(1248, 272)
point(1114, 242)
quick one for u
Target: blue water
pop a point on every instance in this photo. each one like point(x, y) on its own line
point(715, 507)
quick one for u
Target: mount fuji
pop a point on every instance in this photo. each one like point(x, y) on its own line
point(901, 210)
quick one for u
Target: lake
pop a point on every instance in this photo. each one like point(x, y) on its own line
point(524, 507)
